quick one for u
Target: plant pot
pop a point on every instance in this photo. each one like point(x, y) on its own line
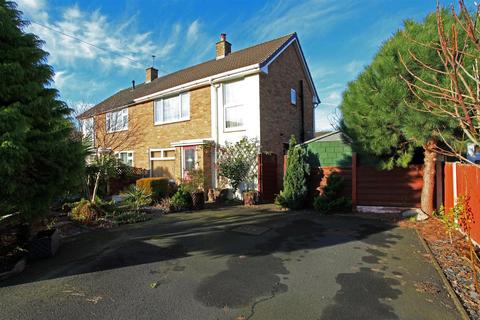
point(250, 198)
point(44, 245)
point(211, 195)
point(198, 200)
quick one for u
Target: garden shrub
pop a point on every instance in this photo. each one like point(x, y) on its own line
point(136, 197)
point(331, 199)
point(295, 189)
point(86, 211)
point(181, 200)
point(158, 187)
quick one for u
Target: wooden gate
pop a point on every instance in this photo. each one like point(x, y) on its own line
point(267, 177)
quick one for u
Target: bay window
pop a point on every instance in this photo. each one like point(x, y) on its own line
point(172, 109)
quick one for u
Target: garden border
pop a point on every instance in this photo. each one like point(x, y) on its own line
point(451, 292)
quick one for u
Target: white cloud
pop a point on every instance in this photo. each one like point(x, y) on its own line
point(193, 31)
point(306, 17)
point(119, 42)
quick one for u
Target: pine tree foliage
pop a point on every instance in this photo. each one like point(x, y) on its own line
point(38, 158)
point(380, 113)
point(295, 189)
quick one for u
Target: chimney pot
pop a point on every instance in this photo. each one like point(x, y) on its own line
point(223, 48)
point(151, 74)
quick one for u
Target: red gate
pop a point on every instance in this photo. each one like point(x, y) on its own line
point(267, 176)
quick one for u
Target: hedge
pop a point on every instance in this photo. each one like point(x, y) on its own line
point(158, 187)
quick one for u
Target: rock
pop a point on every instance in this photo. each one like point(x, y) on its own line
point(411, 213)
point(422, 216)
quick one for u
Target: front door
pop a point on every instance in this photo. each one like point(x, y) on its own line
point(188, 161)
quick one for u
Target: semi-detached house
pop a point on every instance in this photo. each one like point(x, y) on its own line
point(170, 124)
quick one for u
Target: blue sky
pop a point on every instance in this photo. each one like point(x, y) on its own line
point(338, 38)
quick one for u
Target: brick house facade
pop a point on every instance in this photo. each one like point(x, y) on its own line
point(170, 124)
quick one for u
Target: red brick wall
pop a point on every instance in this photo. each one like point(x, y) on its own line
point(278, 117)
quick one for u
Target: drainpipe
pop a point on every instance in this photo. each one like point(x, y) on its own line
point(302, 116)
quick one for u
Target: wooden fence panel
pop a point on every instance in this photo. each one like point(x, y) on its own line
point(468, 185)
point(400, 187)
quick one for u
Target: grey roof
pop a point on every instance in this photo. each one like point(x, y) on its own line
point(258, 54)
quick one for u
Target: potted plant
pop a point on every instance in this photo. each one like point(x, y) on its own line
point(45, 243)
point(250, 198)
point(195, 185)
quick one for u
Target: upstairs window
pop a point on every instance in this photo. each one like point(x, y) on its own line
point(293, 96)
point(87, 129)
point(117, 121)
point(233, 104)
point(172, 109)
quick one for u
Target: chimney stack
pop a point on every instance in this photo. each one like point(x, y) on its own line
point(223, 48)
point(151, 74)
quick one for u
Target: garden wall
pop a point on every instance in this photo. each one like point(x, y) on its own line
point(463, 180)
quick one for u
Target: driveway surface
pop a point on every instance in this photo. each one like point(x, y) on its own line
point(291, 265)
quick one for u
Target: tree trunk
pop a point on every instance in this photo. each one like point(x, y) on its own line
point(428, 189)
point(97, 180)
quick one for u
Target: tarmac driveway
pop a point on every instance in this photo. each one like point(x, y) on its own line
point(203, 266)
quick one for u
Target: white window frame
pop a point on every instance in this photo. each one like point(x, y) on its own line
point(118, 115)
point(162, 157)
point(293, 96)
point(159, 103)
point(117, 154)
point(88, 129)
point(227, 106)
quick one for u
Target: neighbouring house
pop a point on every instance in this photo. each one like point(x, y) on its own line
point(171, 124)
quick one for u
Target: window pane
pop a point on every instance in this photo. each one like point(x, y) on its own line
point(234, 117)
point(233, 93)
point(125, 119)
point(185, 105)
point(158, 111)
point(171, 109)
point(189, 160)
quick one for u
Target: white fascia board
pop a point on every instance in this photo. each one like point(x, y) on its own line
point(191, 142)
point(240, 72)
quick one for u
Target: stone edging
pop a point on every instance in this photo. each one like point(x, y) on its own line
point(446, 283)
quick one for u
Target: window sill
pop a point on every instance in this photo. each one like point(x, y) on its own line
point(113, 131)
point(168, 122)
point(236, 129)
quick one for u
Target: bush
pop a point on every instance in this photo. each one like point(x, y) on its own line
point(86, 211)
point(136, 197)
point(181, 200)
point(158, 187)
point(331, 199)
point(295, 189)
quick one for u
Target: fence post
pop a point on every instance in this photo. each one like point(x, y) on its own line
point(354, 181)
point(259, 174)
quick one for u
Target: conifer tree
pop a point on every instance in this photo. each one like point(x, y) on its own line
point(39, 159)
point(295, 189)
point(381, 114)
